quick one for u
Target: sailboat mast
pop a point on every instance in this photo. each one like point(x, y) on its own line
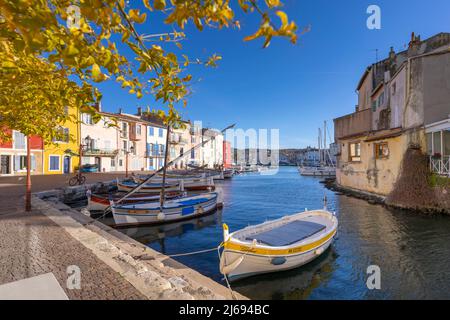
point(319, 145)
point(324, 141)
point(166, 157)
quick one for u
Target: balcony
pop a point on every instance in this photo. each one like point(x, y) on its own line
point(440, 166)
point(352, 125)
point(174, 139)
point(100, 153)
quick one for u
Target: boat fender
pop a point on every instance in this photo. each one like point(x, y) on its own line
point(229, 268)
point(161, 216)
point(278, 261)
point(318, 251)
point(200, 210)
point(226, 232)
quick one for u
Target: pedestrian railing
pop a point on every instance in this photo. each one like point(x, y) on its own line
point(440, 165)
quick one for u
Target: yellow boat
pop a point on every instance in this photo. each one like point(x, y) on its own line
point(277, 245)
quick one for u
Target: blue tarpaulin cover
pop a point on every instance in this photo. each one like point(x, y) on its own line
point(288, 234)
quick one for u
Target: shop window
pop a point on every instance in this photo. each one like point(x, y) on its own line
point(355, 152)
point(381, 150)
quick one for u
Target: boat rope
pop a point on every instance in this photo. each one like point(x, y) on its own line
point(225, 276)
point(192, 253)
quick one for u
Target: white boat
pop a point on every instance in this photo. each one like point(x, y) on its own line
point(228, 173)
point(319, 171)
point(155, 188)
point(277, 245)
point(188, 184)
point(172, 210)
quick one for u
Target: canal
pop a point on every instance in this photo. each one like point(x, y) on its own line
point(411, 250)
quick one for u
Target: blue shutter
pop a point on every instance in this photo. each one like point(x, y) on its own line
point(148, 149)
point(33, 162)
point(16, 163)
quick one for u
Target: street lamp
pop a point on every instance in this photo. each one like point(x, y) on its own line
point(126, 160)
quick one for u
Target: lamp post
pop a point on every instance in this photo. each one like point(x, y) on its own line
point(126, 160)
point(87, 141)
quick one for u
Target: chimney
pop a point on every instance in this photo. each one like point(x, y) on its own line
point(139, 111)
point(414, 45)
point(98, 106)
point(392, 54)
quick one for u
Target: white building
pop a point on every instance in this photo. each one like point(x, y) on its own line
point(156, 146)
point(100, 142)
point(212, 151)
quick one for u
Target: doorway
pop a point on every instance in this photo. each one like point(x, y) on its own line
point(5, 164)
point(98, 163)
point(66, 164)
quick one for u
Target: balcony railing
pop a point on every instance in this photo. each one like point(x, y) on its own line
point(353, 124)
point(100, 152)
point(177, 140)
point(440, 166)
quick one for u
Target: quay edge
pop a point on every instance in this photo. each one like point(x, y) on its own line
point(155, 275)
point(372, 198)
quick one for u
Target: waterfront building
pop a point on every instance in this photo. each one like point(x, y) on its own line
point(227, 157)
point(13, 154)
point(155, 141)
point(99, 140)
point(212, 153)
point(131, 142)
point(400, 100)
point(61, 156)
point(179, 143)
point(195, 157)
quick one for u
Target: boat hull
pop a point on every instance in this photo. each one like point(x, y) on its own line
point(127, 215)
point(146, 188)
point(254, 264)
point(282, 244)
point(100, 202)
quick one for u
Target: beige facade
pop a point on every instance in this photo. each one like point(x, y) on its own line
point(409, 89)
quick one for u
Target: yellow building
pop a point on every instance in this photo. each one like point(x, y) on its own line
point(62, 156)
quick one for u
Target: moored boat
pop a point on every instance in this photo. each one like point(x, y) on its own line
point(319, 171)
point(188, 184)
point(277, 245)
point(172, 210)
point(99, 202)
point(155, 188)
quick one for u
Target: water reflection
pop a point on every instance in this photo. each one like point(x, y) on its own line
point(411, 250)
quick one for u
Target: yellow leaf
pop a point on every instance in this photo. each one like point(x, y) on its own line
point(159, 4)
point(97, 74)
point(134, 15)
point(284, 18)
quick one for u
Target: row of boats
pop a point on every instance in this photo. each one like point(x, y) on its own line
point(277, 245)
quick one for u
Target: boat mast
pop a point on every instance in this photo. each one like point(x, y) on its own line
point(324, 142)
point(319, 140)
point(166, 157)
point(138, 187)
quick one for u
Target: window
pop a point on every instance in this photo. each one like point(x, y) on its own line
point(151, 131)
point(19, 140)
point(86, 118)
point(138, 129)
point(381, 150)
point(160, 132)
point(120, 162)
point(161, 162)
point(150, 163)
point(355, 152)
point(125, 145)
point(20, 163)
point(181, 151)
point(374, 106)
point(193, 154)
point(156, 149)
point(124, 129)
point(63, 135)
point(192, 139)
point(54, 163)
point(134, 148)
point(113, 162)
point(161, 148)
point(108, 145)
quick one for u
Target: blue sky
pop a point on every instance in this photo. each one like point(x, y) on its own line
point(291, 87)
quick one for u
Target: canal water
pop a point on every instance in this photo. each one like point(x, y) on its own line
point(412, 251)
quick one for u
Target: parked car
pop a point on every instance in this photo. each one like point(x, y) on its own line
point(89, 168)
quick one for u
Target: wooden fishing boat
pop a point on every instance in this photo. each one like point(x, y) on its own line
point(277, 245)
point(228, 173)
point(188, 184)
point(172, 210)
point(319, 171)
point(99, 202)
point(155, 188)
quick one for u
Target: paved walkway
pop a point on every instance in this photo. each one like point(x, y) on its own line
point(31, 244)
